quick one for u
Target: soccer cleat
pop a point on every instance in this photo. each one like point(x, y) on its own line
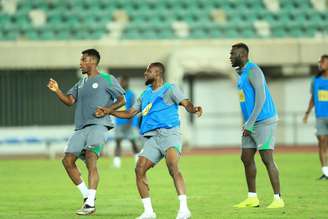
point(147, 215)
point(86, 210)
point(183, 214)
point(277, 203)
point(250, 202)
point(323, 177)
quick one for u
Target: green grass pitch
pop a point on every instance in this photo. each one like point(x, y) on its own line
point(41, 189)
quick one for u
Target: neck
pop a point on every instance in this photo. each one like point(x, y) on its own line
point(325, 73)
point(243, 63)
point(93, 72)
point(157, 83)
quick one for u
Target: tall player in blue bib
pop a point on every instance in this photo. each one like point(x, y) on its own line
point(160, 123)
point(319, 100)
point(126, 128)
point(260, 121)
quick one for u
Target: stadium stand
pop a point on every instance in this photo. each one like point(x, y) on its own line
point(161, 19)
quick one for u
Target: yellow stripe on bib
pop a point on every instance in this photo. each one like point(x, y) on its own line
point(146, 109)
point(241, 96)
point(323, 95)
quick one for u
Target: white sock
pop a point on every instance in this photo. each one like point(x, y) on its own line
point(276, 196)
point(91, 197)
point(325, 170)
point(117, 162)
point(83, 189)
point(147, 205)
point(252, 195)
point(183, 202)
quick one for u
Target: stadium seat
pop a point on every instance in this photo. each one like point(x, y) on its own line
point(84, 19)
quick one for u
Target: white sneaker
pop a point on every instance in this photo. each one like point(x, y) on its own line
point(147, 215)
point(117, 162)
point(183, 214)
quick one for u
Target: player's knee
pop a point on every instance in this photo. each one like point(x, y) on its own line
point(246, 160)
point(140, 170)
point(67, 163)
point(267, 161)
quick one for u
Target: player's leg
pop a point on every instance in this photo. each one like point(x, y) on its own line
point(172, 160)
point(265, 138)
point(72, 152)
point(149, 156)
point(322, 136)
point(95, 142)
point(117, 153)
point(323, 155)
point(247, 157)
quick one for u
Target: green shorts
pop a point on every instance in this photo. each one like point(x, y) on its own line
point(263, 137)
point(90, 138)
point(155, 146)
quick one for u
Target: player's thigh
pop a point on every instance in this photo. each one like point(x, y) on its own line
point(76, 143)
point(322, 129)
point(170, 138)
point(265, 136)
point(151, 150)
point(96, 138)
point(247, 142)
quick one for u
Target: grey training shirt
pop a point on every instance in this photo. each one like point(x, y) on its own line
point(91, 92)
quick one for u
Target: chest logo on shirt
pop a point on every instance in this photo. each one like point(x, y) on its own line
point(241, 96)
point(146, 109)
point(95, 85)
point(323, 95)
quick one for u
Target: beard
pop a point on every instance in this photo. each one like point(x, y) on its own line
point(149, 81)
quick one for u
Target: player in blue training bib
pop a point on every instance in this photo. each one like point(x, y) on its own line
point(260, 122)
point(319, 100)
point(160, 128)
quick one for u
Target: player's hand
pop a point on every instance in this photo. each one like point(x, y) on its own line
point(198, 111)
point(53, 85)
point(305, 118)
point(246, 133)
point(102, 111)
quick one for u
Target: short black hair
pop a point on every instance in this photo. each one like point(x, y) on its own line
point(241, 46)
point(324, 56)
point(159, 65)
point(92, 52)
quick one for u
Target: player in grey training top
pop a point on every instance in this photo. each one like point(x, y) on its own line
point(97, 89)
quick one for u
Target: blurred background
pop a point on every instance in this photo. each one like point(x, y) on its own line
point(40, 39)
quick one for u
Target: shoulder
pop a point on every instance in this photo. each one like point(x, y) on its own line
point(107, 77)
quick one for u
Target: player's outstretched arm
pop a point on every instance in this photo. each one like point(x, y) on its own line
point(68, 100)
point(187, 104)
point(103, 111)
point(308, 111)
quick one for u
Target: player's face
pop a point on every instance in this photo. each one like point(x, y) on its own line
point(123, 83)
point(85, 63)
point(150, 75)
point(323, 64)
point(235, 57)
